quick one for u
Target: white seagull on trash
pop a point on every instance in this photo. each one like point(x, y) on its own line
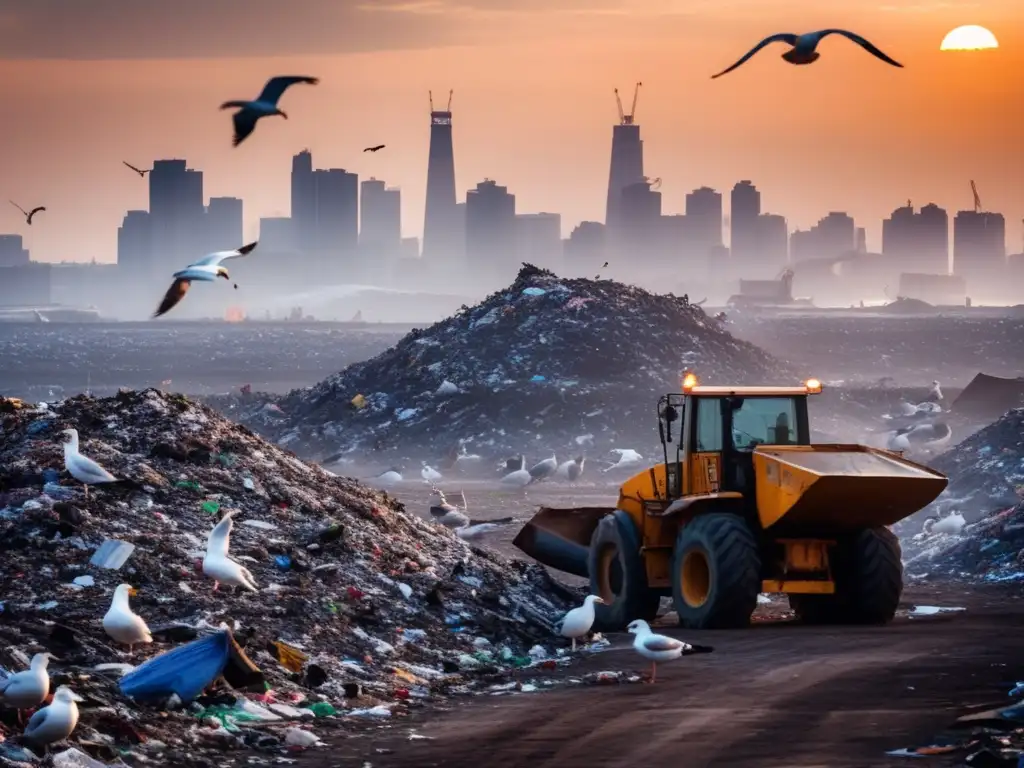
point(578, 622)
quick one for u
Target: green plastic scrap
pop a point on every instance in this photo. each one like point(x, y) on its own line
point(191, 485)
point(226, 459)
point(226, 716)
point(321, 709)
point(211, 507)
point(521, 661)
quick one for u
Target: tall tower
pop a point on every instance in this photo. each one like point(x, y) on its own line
point(627, 166)
point(443, 238)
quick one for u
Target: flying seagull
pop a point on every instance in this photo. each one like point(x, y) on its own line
point(802, 51)
point(28, 214)
point(377, 148)
point(263, 105)
point(207, 269)
point(139, 171)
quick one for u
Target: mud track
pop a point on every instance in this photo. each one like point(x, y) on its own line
point(778, 694)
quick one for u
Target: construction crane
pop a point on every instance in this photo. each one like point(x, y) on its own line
point(446, 109)
point(977, 200)
point(624, 118)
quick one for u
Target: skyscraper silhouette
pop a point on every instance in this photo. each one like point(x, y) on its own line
point(443, 237)
point(303, 204)
point(744, 238)
point(627, 164)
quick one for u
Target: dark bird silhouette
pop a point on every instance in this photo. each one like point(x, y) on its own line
point(803, 48)
point(28, 214)
point(378, 148)
point(263, 105)
point(139, 171)
point(207, 269)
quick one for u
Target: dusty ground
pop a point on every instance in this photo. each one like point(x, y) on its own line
point(777, 694)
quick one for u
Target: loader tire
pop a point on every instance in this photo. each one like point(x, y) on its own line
point(618, 575)
point(868, 572)
point(716, 572)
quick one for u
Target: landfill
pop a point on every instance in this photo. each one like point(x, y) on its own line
point(546, 365)
point(986, 495)
point(363, 611)
point(985, 470)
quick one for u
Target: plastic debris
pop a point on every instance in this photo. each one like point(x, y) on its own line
point(188, 669)
point(112, 554)
point(528, 359)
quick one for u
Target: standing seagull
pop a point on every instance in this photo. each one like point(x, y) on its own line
point(218, 565)
point(139, 171)
point(82, 468)
point(377, 148)
point(579, 621)
point(122, 623)
point(544, 469)
point(28, 214)
point(207, 269)
point(660, 647)
point(802, 51)
point(55, 722)
point(263, 105)
point(29, 687)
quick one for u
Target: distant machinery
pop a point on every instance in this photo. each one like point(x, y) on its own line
point(624, 118)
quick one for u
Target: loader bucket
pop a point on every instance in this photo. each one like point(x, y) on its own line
point(839, 488)
point(560, 538)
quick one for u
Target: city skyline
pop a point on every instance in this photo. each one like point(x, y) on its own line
point(810, 146)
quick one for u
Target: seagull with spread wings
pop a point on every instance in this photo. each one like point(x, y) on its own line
point(207, 269)
point(263, 105)
point(803, 48)
point(139, 171)
point(377, 148)
point(28, 214)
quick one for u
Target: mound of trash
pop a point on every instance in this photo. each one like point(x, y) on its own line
point(986, 470)
point(549, 364)
point(990, 549)
point(362, 610)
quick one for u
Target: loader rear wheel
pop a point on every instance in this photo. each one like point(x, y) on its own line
point(716, 572)
point(618, 576)
point(868, 572)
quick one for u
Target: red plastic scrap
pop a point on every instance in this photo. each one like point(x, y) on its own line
point(402, 693)
point(354, 594)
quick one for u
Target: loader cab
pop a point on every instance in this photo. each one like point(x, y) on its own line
point(709, 434)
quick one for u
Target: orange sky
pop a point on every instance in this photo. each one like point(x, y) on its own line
point(533, 104)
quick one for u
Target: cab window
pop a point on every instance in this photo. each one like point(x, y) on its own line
point(709, 425)
point(763, 421)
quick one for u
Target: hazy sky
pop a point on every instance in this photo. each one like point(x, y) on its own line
point(89, 83)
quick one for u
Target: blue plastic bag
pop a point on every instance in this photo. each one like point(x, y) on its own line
point(186, 670)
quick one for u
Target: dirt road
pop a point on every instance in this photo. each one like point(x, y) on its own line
point(777, 694)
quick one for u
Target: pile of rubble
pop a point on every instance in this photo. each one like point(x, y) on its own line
point(548, 364)
point(990, 549)
point(976, 529)
point(363, 610)
point(985, 470)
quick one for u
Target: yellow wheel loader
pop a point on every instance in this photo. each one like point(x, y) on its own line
point(743, 504)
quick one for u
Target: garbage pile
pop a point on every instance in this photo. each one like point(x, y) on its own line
point(549, 363)
point(363, 610)
point(985, 470)
point(991, 549)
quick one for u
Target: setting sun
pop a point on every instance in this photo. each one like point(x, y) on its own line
point(969, 38)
